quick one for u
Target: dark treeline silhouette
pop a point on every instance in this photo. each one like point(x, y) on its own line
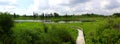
point(116, 14)
point(57, 15)
point(92, 15)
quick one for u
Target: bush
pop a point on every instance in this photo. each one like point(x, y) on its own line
point(106, 34)
point(6, 24)
point(49, 39)
point(53, 36)
point(27, 36)
point(61, 34)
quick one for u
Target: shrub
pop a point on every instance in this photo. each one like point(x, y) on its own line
point(27, 36)
point(61, 34)
point(116, 14)
point(6, 24)
point(106, 34)
point(49, 39)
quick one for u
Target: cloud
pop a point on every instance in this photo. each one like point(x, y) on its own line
point(74, 2)
point(4, 3)
point(7, 3)
point(113, 4)
point(61, 6)
point(78, 1)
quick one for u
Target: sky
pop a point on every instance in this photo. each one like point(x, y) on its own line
point(104, 7)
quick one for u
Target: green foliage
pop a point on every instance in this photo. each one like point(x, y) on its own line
point(56, 14)
point(27, 37)
point(103, 31)
point(15, 15)
point(92, 15)
point(116, 14)
point(45, 28)
point(35, 15)
point(106, 34)
point(33, 33)
point(6, 24)
point(62, 34)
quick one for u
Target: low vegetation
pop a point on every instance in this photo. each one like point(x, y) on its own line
point(105, 30)
point(6, 23)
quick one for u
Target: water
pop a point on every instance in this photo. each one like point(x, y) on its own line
point(49, 21)
point(32, 20)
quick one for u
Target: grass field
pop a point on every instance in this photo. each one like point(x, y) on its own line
point(88, 27)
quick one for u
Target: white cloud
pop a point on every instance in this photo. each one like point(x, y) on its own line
point(54, 2)
point(34, 6)
point(62, 6)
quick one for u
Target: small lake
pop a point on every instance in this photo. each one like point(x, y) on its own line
point(59, 21)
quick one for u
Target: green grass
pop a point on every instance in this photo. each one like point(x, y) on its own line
point(25, 30)
point(21, 28)
point(89, 27)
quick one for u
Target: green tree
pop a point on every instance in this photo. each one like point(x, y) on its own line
point(116, 14)
point(6, 24)
point(14, 15)
point(56, 14)
point(35, 15)
point(42, 16)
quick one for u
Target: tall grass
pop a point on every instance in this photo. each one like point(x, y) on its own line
point(33, 33)
point(106, 33)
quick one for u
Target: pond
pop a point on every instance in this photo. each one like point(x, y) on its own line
point(59, 21)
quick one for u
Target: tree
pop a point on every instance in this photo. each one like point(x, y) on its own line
point(24, 15)
point(56, 14)
point(6, 24)
point(66, 15)
point(42, 16)
point(35, 15)
point(14, 15)
point(51, 15)
point(116, 14)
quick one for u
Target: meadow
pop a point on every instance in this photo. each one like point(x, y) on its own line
point(90, 28)
point(104, 30)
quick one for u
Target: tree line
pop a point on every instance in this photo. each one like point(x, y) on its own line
point(35, 15)
point(57, 15)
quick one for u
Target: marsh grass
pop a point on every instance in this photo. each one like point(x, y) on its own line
point(103, 31)
point(28, 32)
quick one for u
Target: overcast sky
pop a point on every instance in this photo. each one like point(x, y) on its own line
point(105, 7)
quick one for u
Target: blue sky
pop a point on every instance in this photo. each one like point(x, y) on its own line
point(105, 7)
